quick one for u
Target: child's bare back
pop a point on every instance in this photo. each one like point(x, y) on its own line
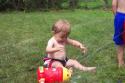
point(121, 6)
point(118, 6)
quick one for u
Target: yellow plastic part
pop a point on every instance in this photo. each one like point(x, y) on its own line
point(66, 74)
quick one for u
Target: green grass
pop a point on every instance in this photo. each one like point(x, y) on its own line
point(23, 38)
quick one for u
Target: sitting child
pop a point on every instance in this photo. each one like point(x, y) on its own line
point(56, 53)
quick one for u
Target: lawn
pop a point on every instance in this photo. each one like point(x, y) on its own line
point(23, 38)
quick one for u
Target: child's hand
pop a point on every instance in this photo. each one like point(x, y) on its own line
point(60, 48)
point(83, 49)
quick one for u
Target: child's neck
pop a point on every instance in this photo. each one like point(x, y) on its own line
point(58, 39)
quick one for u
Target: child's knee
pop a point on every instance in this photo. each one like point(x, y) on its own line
point(72, 61)
point(57, 64)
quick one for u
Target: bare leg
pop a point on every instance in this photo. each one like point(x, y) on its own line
point(56, 64)
point(120, 53)
point(77, 65)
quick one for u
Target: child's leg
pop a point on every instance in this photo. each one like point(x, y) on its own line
point(120, 53)
point(76, 64)
point(57, 64)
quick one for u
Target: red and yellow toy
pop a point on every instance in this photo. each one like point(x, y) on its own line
point(52, 75)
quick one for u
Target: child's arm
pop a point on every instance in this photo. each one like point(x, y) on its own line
point(114, 6)
point(77, 44)
point(50, 47)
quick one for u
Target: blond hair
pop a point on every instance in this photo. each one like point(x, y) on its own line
point(61, 26)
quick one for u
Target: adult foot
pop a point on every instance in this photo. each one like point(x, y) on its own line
point(121, 65)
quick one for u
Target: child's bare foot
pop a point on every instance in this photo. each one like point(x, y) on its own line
point(90, 69)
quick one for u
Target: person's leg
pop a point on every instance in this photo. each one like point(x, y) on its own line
point(56, 64)
point(119, 37)
point(77, 65)
point(120, 56)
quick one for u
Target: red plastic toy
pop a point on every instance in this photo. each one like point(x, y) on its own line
point(52, 75)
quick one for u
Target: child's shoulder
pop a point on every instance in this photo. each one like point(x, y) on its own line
point(52, 39)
